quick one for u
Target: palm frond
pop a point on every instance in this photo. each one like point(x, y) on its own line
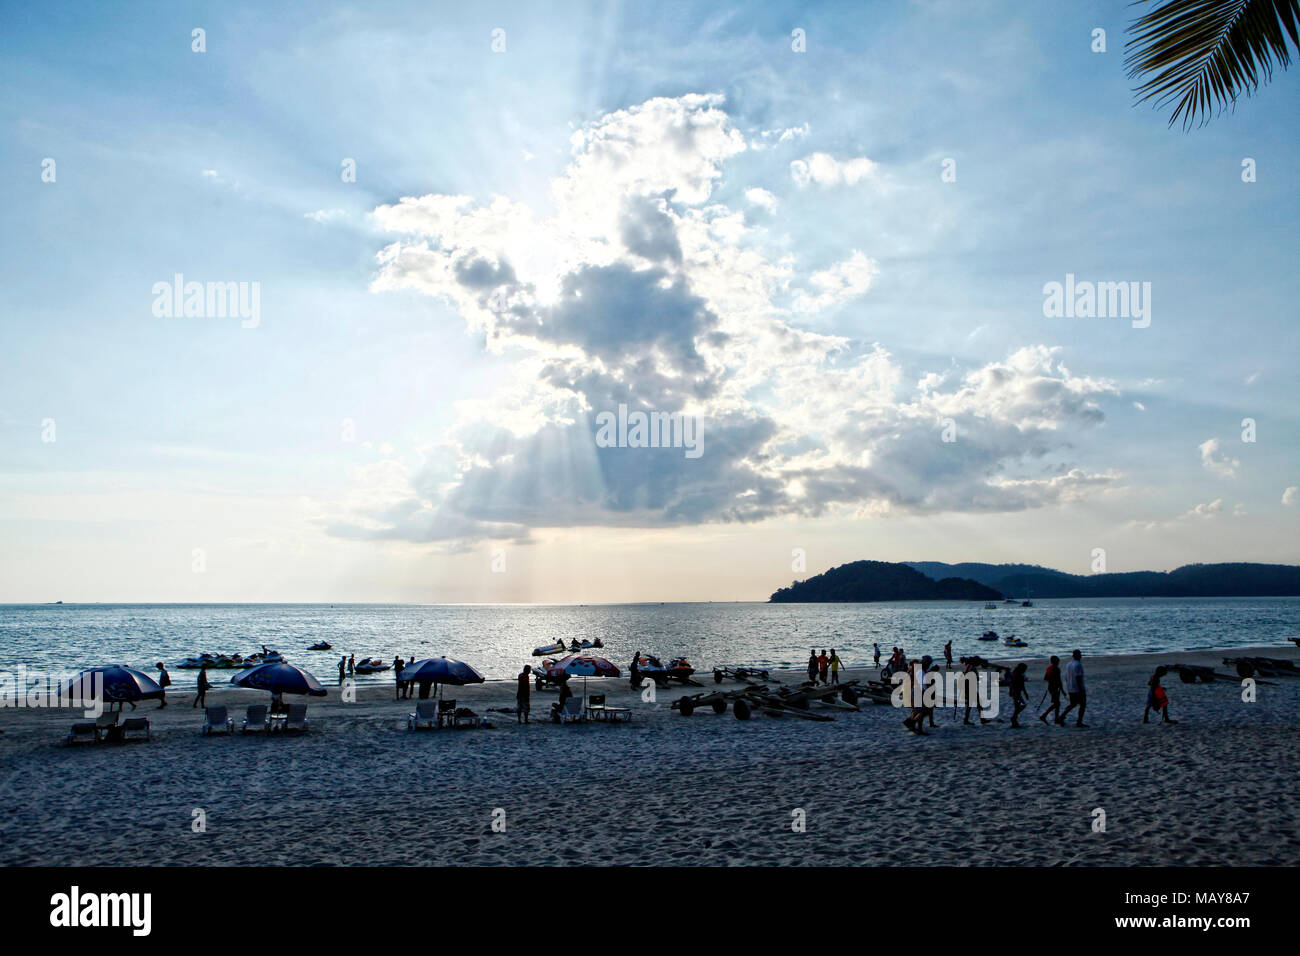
point(1202, 54)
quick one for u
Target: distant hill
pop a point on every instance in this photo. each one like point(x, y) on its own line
point(881, 581)
point(1193, 580)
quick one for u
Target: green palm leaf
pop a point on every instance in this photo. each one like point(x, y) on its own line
point(1202, 54)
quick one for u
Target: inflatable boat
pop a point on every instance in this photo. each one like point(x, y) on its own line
point(557, 648)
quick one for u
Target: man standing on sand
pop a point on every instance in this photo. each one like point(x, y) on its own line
point(204, 684)
point(164, 681)
point(352, 665)
point(823, 665)
point(398, 664)
point(1016, 686)
point(947, 654)
point(836, 664)
point(1075, 687)
point(523, 696)
point(812, 666)
point(875, 654)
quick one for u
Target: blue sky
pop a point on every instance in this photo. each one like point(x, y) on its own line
point(815, 294)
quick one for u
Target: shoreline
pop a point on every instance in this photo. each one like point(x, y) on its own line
point(359, 788)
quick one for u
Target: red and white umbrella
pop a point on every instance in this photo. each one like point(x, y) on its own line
point(584, 666)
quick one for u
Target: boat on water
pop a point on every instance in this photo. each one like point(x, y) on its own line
point(989, 636)
point(231, 661)
point(321, 646)
point(559, 647)
point(372, 665)
point(1012, 641)
point(1026, 603)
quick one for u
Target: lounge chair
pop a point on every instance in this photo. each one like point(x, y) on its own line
point(426, 712)
point(297, 719)
point(85, 731)
point(136, 724)
point(572, 711)
point(216, 720)
point(597, 710)
point(255, 719)
point(446, 712)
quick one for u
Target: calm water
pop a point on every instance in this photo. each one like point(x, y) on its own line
point(498, 639)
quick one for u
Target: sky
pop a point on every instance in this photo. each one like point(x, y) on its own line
point(822, 235)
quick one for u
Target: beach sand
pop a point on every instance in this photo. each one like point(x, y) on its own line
point(1217, 788)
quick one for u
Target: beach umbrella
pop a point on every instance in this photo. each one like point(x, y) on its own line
point(440, 670)
point(117, 683)
point(584, 666)
point(279, 677)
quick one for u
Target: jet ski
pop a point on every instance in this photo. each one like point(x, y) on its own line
point(989, 636)
point(577, 645)
point(371, 665)
point(1014, 641)
point(321, 646)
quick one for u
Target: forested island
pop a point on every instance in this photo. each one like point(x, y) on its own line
point(974, 581)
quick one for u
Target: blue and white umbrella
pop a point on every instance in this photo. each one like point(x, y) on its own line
point(279, 677)
point(441, 670)
point(117, 684)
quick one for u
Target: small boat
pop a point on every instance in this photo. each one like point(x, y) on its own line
point(321, 646)
point(372, 665)
point(1014, 641)
point(1026, 603)
point(989, 636)
point(990, 606)
point(557, 648)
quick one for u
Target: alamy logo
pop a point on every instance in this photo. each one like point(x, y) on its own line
point(74, 908)
point(208, 300)
point(650, 430)
point(1098, 300)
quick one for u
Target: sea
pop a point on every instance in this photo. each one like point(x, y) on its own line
point(499, 639)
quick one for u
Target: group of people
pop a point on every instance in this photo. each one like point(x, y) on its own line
point(824, 668)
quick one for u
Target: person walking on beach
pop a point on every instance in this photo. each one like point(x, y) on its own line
point(523, 696)
point(202, 696)
point(915, 720)
point(1157, 699)
point(875, 654)
point(823, 665)
point(1017, 688)
point(947, 654)
point(971, 689)
point(634, 669)
point(1053, 677)
point(836, 664)
point(343, 666)
point(1075, 687)
point(812, 666)
point(164, 681)
point(398, 664)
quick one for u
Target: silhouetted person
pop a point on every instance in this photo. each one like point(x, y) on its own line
point(523, 696)
point(1076, 688)
point(1157, 699)
point(1016, 686)
point(164, 681)
point(201, 699)
point(1053, 677)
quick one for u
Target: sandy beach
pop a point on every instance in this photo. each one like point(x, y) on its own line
point(359, 788)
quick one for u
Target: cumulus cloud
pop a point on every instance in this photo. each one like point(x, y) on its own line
point(1216, 460)
point(1291, 496)
point(823, 169)
point(638, 289)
